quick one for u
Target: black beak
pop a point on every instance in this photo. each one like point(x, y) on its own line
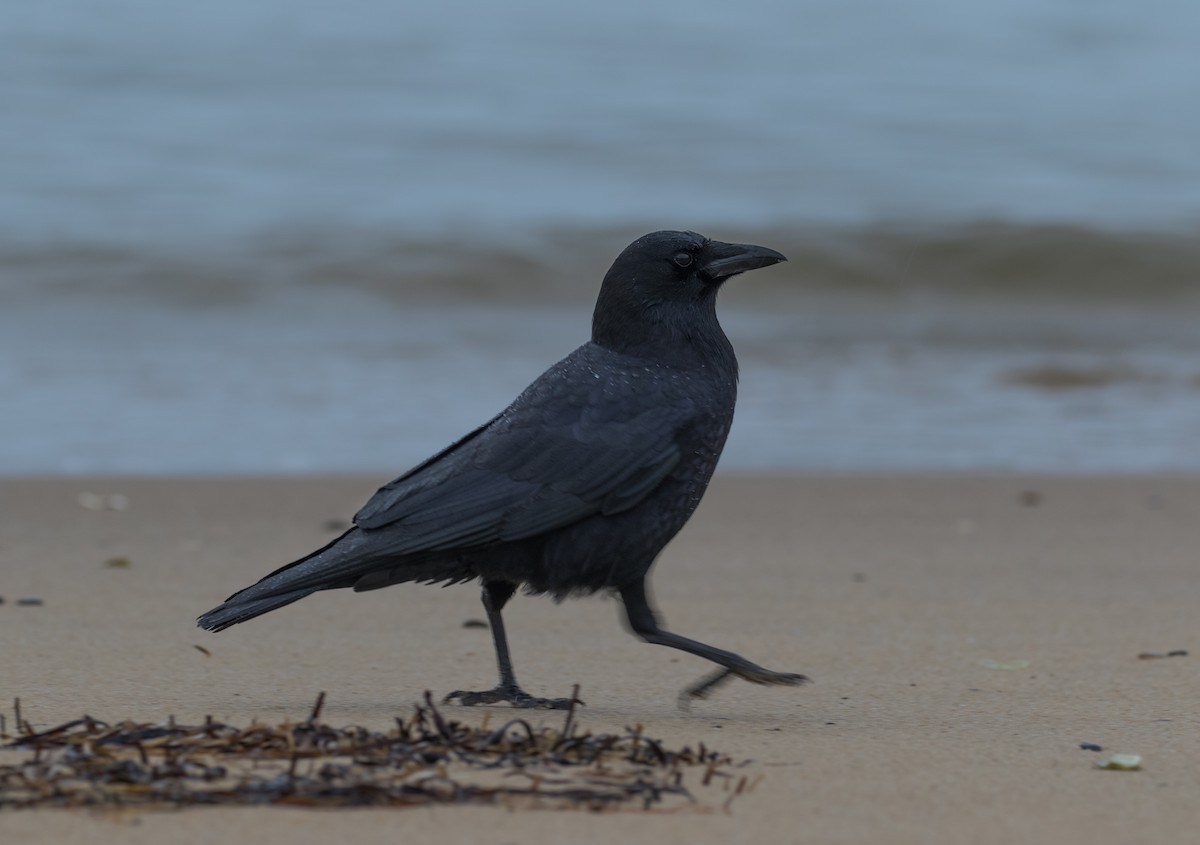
point(725, 260)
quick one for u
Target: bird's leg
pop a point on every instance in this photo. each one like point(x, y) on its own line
point(645, 625)
point(495, 595)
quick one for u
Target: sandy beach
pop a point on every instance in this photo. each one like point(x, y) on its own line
point(964, 636)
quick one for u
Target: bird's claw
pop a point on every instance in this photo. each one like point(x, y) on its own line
point(515, 696)
point(782, 679)
point(755, 674)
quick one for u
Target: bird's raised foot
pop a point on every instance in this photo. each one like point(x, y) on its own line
point(755, 674)
point(514, 695)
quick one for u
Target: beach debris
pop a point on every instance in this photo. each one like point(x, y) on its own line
point(1090, 746)
point(474, 623)
point(202, 650)
point(427, 758)
point(1008, 665)
point(1121, 762)
point(30, 601)
point(1158, 655)
point(117, 563)
point(103, 501)
point(1054, 377)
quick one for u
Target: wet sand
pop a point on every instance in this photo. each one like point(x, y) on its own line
point(904, 598)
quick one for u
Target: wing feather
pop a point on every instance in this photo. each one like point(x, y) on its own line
point(528, 472)
point(570, 447)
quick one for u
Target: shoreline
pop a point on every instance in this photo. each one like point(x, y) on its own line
point(908, 599)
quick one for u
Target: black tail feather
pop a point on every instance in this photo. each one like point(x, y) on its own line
point(233, 611)
point(285, 585)
point(348, 561)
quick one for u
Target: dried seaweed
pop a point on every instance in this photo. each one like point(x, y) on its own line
point(425, 759)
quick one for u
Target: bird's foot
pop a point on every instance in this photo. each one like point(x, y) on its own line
point(755, 674)
point(514, 695)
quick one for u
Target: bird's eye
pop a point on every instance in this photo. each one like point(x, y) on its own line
point(683, 259)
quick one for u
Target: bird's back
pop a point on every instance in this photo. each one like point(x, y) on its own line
point(628, 399)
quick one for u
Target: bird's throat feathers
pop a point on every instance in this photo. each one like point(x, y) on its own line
point(668, 331)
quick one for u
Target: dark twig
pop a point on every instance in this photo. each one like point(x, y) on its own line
point(316, 711)
point(424, 759)
point(568, 724)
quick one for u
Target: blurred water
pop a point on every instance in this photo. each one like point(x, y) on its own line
point(269, 236)
point(135, 121)
point(329, 380)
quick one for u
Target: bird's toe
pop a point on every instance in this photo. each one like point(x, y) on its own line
point(546, 703)
point(470, 698)
point(755, 674)
point(787, 679)
point(515, 696)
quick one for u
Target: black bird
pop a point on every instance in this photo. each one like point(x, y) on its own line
point(578, 484)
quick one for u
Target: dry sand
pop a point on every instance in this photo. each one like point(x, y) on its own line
point(891, 593)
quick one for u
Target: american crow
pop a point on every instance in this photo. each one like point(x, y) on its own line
point(579, 483)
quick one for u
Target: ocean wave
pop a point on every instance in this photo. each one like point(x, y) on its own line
point(991, 260)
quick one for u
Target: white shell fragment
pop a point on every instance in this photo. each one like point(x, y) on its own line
point(1010, 665)
point(1121, 762)
point(103, 501)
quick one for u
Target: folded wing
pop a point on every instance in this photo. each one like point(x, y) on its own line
point(521, 475)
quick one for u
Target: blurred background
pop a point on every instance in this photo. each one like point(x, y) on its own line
point(269, 236)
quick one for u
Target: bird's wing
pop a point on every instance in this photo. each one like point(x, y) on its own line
point(527, 472)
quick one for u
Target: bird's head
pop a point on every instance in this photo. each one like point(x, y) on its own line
point(666, 282)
